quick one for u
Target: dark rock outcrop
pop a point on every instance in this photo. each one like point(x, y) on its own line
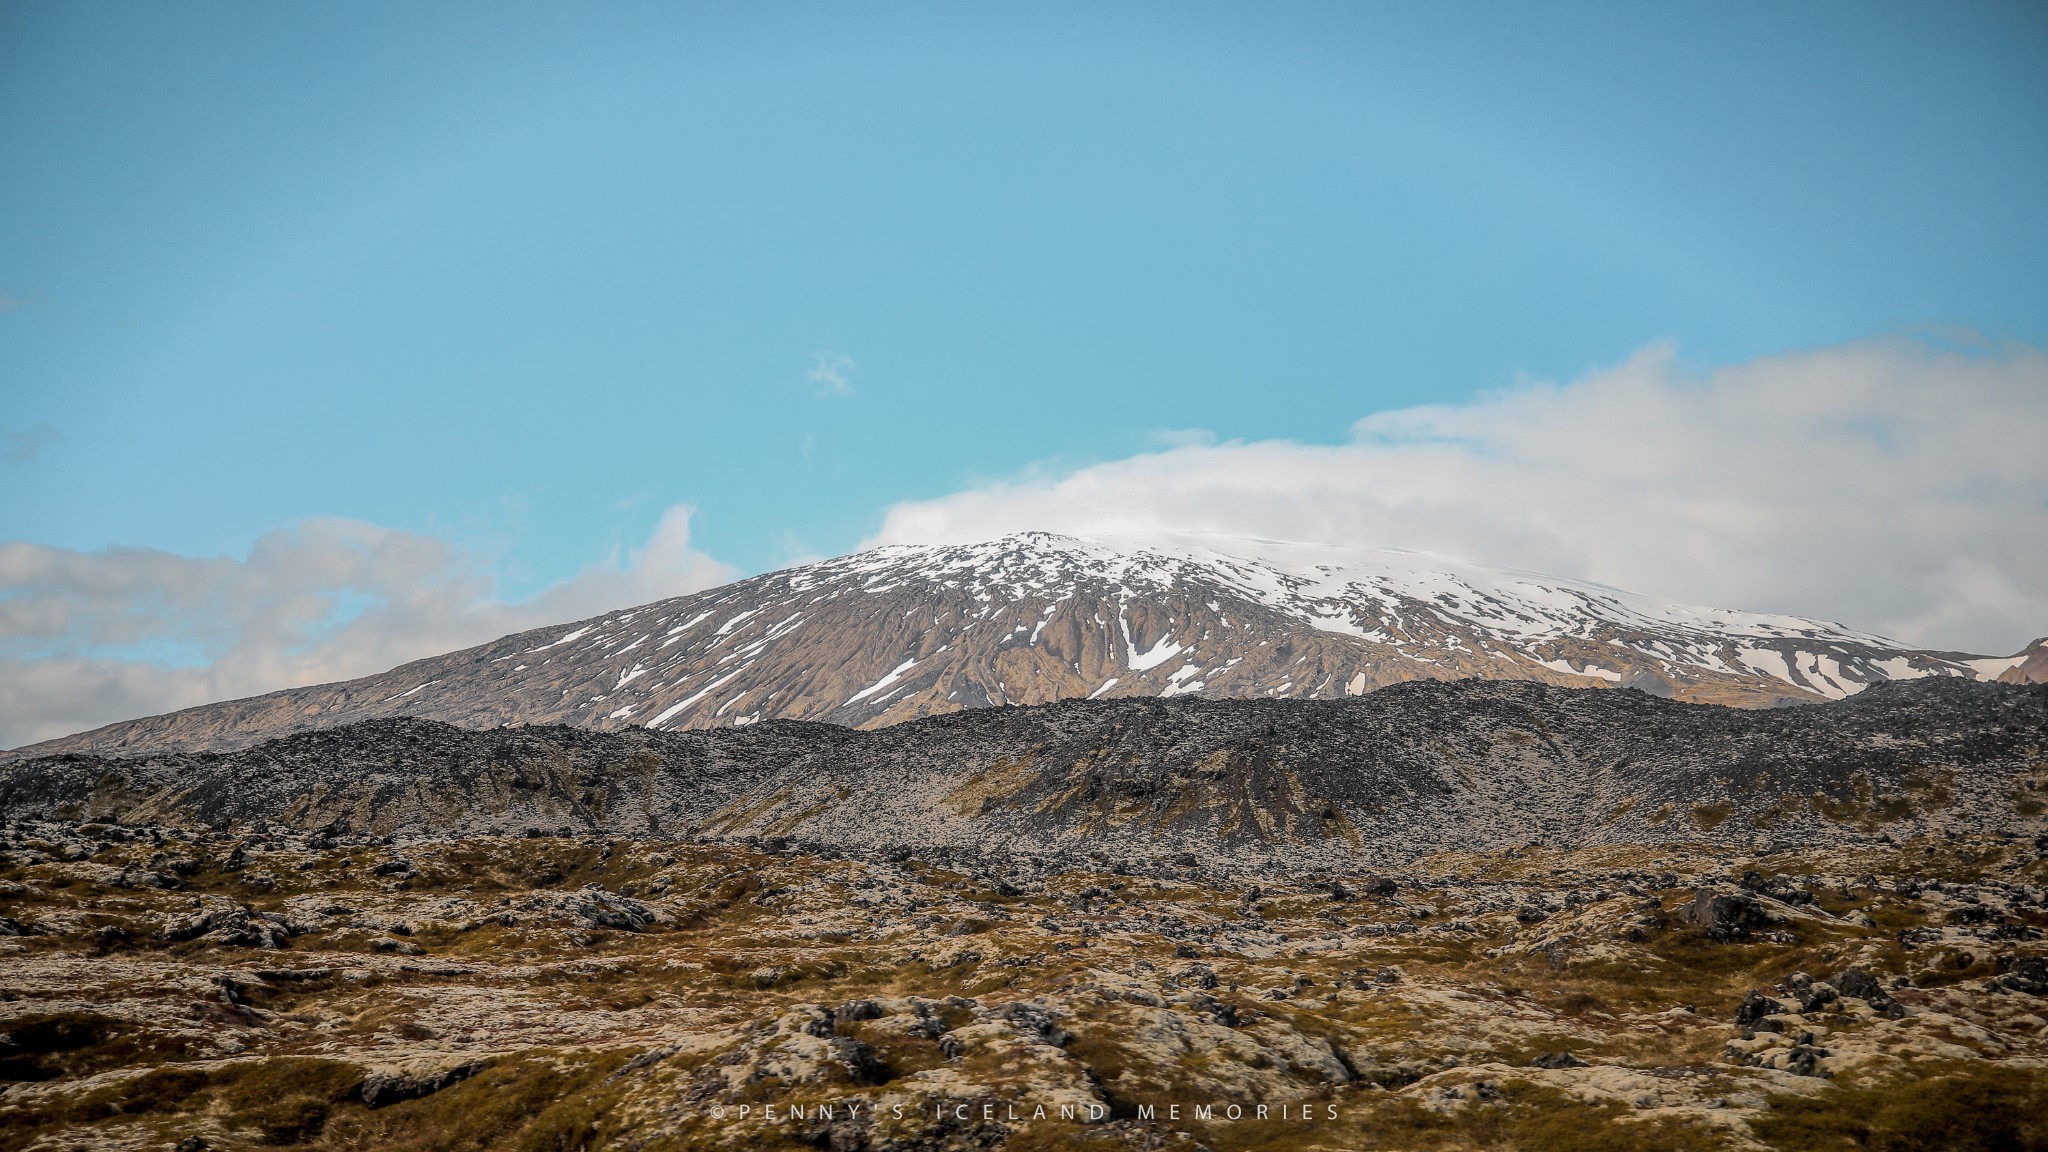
point(1379, 779)
point(384, 1088)
point(1863, 986)
point(1754, 1007)
point(1725, 916)
point(2029, 974)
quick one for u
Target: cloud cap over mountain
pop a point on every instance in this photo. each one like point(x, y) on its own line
point(1897, 485)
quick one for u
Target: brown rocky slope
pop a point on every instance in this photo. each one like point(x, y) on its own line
point(896, 633)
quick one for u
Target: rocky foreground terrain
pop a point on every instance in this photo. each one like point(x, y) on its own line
point(171, 987)
point(1440, 916)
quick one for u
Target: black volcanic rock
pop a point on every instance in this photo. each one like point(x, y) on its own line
point(1725, 916)
point(1385, 777)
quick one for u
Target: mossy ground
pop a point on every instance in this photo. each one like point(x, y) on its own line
point(1408, 1020)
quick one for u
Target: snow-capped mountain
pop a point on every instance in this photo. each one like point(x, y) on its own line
point(903, 631)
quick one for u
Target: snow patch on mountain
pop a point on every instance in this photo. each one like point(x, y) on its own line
point(901, 631)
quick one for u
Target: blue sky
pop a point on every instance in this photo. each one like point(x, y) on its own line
point(306, 308)
point(526, 276)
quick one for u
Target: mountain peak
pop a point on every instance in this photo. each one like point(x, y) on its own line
point(906, 630)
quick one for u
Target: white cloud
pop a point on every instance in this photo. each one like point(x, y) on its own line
point(1887, 484)
point(89, 638)
point(833, 372)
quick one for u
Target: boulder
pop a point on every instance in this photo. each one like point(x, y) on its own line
point(1857, 983)
point(218, 920)
point(1036, 1023)
point(2028, 974)
point(1805, 1061)
point(1725, 916)
point(1817, 996)
point(1754, 1008)
point(391, 1085)
point(860, 1062)
point(593, 907)
point(854, 1011)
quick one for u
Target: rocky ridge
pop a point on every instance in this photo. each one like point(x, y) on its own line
point(1389, 777)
